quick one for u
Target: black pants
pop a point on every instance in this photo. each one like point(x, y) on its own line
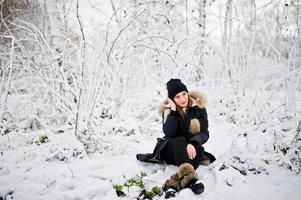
point(175, 153)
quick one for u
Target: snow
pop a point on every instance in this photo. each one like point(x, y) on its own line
point(50, 171)
point(253, 115)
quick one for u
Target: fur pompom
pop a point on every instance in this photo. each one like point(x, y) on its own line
point(195, 126)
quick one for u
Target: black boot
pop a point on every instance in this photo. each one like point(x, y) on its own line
point(197, 187)
point(169, 193)
point(189, 178)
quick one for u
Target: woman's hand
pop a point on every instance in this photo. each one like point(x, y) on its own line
point(191, 151)
point(171, 104)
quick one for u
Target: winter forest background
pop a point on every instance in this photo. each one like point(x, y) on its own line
point(80, 82)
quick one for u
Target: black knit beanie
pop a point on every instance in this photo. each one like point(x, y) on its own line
point(174, 86)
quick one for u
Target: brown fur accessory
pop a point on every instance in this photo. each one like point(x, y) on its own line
point(173, 182)
point(195, 126)
point(196, 99)
point(187, 174)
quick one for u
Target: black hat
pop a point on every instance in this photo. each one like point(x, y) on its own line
point(174, 86)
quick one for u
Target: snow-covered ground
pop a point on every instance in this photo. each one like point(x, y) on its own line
point(58, 169)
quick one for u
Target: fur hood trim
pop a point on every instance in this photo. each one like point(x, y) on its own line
point(198, 99)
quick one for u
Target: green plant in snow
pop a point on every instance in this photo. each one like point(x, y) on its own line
point(138, 182)
point(143, 174)
point(41, 139)
point(134, 182)
point(157, 190)
point(118, 189)
point(149, 195)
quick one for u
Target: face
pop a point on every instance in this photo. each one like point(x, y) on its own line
point(181, 99)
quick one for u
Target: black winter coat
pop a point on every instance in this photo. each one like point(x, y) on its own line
point(194, 127)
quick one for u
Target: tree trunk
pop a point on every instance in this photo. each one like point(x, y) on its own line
point(227, 36)
point(253, 14)
point(54, 10)
point(202, 31)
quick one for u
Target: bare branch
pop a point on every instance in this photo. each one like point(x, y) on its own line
point(108, 58)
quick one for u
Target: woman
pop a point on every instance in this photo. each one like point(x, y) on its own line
point(185, 126)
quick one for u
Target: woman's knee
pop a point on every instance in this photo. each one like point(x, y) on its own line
point(199, 150)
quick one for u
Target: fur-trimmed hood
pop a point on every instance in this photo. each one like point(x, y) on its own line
point(198, 99)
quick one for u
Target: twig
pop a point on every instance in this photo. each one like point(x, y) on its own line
point(152, 181)
point(107, 29)
point(28, 140)
point(82, 69)
point(97, 92)
point(146, 3)
point(108, 58)
point(66, 102)
point(241, 171)
point(35, 29)
point(10, 68)
point(298, 132)
point(159, 50)
point(9, 144)
point(69, 169)
point(186, 17)
point(114, 9)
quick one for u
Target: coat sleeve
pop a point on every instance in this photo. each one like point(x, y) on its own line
point(170, 125)
point(201, 137)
